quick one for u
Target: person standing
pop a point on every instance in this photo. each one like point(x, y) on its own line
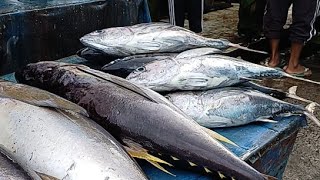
point(302, 29)
point(194, 10)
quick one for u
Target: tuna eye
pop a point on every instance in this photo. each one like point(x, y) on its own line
point(141, 69)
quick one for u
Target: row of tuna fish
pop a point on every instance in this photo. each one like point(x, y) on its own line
point(194, 69)
point(51, 138)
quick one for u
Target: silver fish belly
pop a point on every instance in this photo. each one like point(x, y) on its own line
point(198, 73)
point(62, 145)
point(10, 170)
point(147, 38)
point(231, 106)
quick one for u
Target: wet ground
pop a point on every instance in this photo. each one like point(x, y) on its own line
point(304, 162)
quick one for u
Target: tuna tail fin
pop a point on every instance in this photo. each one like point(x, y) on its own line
point(218, 136)
point(267, 177)
point(309, 113)
point(299, 78)
point(292, 93)
point(247, 49)
point(45, 176)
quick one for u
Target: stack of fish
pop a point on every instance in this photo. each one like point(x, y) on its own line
point(106, 121)
point(199, 67)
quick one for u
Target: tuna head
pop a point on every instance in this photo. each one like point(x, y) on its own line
point(106, 38)
point(156, 75)
point(36, 72)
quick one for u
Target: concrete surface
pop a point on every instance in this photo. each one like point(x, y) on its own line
point(304, 162)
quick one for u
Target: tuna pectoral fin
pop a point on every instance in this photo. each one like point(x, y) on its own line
point(299, 78)
point(246, 49)
point(309, 113)
point(37, 97)
point(46, 177)
point(250, 79)
point(267, 120)
point(218, 136)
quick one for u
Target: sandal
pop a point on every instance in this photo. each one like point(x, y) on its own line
point(306, 72)
point(280, 66)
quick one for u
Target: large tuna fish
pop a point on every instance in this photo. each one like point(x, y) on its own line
point(201, 73)
point(56, 144)
point(149, 38)
point(9, 170)
point(123, 67)
point(143, 120)
point(233, 106)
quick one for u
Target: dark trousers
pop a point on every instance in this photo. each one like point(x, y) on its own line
point(251, 18)
point(194, 10)
point(303, 19)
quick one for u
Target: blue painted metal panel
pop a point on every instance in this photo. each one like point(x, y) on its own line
point(265, 146)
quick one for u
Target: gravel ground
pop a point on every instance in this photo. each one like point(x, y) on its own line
point(304, 162)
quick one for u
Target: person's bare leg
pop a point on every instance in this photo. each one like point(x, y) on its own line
point(275, 54)
point(294, 66)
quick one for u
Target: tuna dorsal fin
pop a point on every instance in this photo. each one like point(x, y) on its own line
point(145, 92)
point(37, 97)
point(45, 176)
point(218, 136)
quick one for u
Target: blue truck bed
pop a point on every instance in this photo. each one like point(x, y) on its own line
point(265, 146)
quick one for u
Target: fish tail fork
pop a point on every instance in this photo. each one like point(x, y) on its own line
point(310, 113)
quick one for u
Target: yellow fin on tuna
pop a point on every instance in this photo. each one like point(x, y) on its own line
point(144, 155)
point(207, 170)
point(135, 150)
point(174, 158)
point(157, 165)
point(192, 164)
point(221, 175)
point(218, 136)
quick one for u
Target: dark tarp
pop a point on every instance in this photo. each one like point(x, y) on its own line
point(37, 30)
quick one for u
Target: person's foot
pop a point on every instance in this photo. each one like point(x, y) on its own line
point(275, 63)
point(299, 71)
